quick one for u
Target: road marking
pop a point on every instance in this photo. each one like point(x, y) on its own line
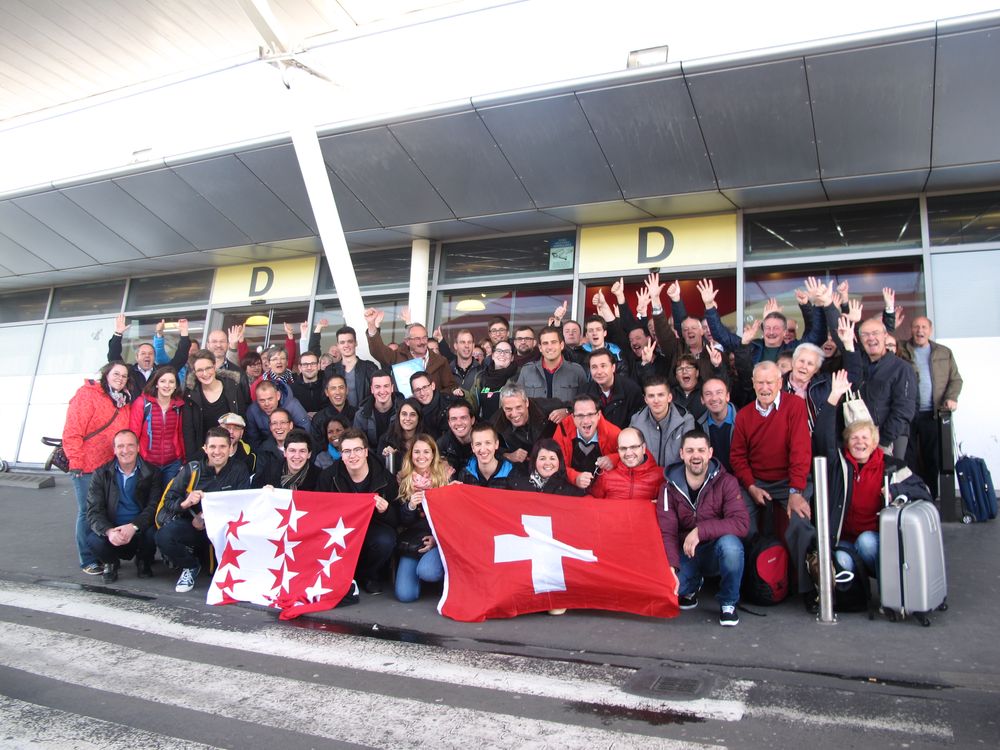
point(293, 705)
point(521, 675)
point(26, 725)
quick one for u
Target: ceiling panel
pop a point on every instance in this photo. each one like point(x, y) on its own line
point(378, 238)
point(678, 205)
point(381, 174)
point(958, 178)
point(776, 195)
point(173, 200)
point(871, 185)
point(967, 98)
point(55, 210)
point(873, 108)
point(658, 148)
point(552, 149)
point(277, 168)
point(757, 123)
point(20, 260)
point(599, 213)
point(128, 218)
point(522, 221)
point(242, 198)
point(37, 238)
point(465, 165)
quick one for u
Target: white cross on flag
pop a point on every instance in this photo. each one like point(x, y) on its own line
point(283, 548)
point(508, 553)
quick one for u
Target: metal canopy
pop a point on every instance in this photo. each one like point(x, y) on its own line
point(879, 115)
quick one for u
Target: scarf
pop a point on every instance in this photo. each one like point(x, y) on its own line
point(291, 481)
point(121, 398)
point(537, 480)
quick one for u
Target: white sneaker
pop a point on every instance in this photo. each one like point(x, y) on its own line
point(186, 581)
point(728, 617)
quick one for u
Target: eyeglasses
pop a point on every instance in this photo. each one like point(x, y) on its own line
point(627, 448)
point(417, 339)
point(686, 368)
point(505, 352)
point(524, 338)
point(352, 451)
point(204, 370)
point(585, 416)
point(280, 423)
point(498, 329)
point(871, 334)
point(309, 364)
point(422, 389)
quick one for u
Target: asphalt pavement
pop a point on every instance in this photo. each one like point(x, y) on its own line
point(958, 650)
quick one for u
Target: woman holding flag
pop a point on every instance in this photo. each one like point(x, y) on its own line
point(419, 559)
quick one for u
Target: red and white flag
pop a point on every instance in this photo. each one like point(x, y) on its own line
point(282, 548)
point(508, 553)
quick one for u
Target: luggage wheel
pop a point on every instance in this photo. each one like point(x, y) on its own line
point(922, 619)
point(943, 607)
point(966, 519)
point(891, 614)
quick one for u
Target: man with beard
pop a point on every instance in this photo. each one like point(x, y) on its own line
point(703, 520)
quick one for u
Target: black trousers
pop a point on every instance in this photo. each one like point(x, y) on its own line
point(143, 544)
point(925, 449)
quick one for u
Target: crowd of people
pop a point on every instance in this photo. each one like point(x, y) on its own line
point(641, 401)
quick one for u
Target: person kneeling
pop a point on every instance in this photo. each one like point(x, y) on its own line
point(702, 505)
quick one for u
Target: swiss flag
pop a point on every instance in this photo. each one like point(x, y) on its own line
point(282, 548)
point(508, 553)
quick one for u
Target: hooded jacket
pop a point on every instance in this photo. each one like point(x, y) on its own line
point(89, 410)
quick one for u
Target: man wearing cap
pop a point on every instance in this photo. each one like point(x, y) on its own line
point(240, 449)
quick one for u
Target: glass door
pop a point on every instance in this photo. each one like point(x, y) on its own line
point(264, 325)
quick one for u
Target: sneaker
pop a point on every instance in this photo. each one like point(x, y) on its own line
point(186, 581)
point(560, 611)
point(728, 616)
point(110, 572)
point(689, 601)
point(144, 568)
point(94, 569)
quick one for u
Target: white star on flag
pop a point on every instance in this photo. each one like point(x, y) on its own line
point(325, 564)
point(338, 534)
point(290, 548)
point(290, 516)
point(314, 592)
point(287, 578)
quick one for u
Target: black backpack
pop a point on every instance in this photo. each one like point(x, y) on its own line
point(854, 596)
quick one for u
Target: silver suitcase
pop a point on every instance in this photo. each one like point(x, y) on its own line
point(911, 560)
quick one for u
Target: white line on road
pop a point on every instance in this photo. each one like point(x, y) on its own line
point(520, 675)
point(24, 726)
point(293, 705)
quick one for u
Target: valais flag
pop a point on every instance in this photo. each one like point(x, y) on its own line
point(282, 548)
point(508, 553)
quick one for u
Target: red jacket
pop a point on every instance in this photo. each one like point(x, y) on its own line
point(621, 483)
point(89, 410)
point(161, 437)
point(607, 441)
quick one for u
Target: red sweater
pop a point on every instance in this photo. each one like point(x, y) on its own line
point(775, 448)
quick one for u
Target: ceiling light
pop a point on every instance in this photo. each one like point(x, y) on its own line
point(470, 305)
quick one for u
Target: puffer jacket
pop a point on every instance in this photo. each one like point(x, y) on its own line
point(161, 434)
point(720, 509)
point(89, 410)
point(641, 483)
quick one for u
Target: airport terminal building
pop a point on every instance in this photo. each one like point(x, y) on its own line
point(872, 159)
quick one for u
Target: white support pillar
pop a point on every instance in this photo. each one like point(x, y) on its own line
point(324, 207)
point(420, 260)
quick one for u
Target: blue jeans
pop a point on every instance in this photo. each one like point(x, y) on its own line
point(866, 545)
point(413, 570)
point(169, 471)
point(722, 557)
point(81, 487)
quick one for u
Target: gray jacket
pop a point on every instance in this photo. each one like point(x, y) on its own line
point(663, 438)
point(567, 381)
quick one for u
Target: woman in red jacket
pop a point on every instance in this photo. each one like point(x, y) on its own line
point(96, 412)
point(156, 419)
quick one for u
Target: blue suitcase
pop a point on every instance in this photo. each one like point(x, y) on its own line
point(976, 485)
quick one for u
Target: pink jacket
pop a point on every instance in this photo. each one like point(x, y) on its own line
point(89, 410)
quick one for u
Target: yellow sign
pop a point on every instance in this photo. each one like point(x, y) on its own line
point(667, 243)
point(267, 280)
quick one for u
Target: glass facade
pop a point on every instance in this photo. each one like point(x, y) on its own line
point(51, 349)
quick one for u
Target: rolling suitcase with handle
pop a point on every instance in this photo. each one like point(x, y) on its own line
point(911, 560)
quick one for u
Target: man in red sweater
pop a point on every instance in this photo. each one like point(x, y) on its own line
point(771, 451)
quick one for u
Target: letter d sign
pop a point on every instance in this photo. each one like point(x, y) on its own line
point(666, 237)
point(261, 280)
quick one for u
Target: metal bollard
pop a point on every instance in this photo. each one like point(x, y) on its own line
point(822, 494)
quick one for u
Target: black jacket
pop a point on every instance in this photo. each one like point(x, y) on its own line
point(137, 380)
point(363, 372)
point(889, 388)
point(364, 418)
point(233, 476)
point(102, 499)
point(558, 484)
point(455, 453)
point(310, 395)
point(624, 400)
point(335, 478)
point(194, 404)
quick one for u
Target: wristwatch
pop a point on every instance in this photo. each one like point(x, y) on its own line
point(793, 491)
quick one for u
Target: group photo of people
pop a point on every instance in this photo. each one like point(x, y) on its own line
point(638, 401)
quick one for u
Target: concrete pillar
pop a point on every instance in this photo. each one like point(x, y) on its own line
point(420, 259)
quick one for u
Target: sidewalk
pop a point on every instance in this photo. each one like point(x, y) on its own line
point(959, 649)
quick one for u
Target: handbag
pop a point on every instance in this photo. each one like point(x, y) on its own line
point(855, 409)
point(58, 457)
